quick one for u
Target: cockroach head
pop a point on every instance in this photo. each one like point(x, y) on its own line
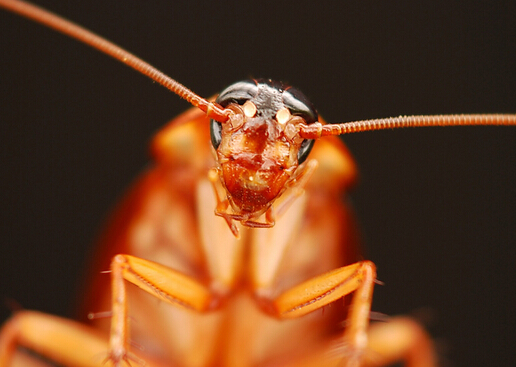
point(259, 148)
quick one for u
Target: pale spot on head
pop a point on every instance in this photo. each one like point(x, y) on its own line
point(283, 116)
point(249, 109)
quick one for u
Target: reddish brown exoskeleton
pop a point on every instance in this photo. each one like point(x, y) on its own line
point(273, 255)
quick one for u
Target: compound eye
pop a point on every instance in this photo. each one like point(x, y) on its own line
point(304, 150)
point(299, 105)
point(215, 133)
point(239, 93)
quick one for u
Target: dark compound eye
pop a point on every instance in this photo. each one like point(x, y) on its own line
point(215, 133)
point(299, 105)
point(239, 92)
point(304, 151)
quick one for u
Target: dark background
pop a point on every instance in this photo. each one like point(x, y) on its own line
point(437, 206)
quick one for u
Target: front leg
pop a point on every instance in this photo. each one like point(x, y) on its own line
point(73, 344)
point(359, 345)
point(57, 339)
point(318, 292)
point(162, 282)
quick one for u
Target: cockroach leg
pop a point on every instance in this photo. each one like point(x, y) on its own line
point(317, 292)
point(64, 341)
point(162, 282)
point(61, 340)
point(355, 335)
point(269, 220)
point(400, 338)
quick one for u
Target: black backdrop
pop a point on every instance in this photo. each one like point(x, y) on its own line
point(437, 207)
